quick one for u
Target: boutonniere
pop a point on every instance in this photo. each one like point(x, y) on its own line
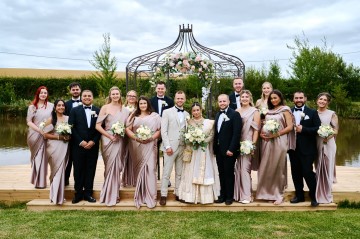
point(226, 118)
point(187, 118)
point(164, 103)
point(302, 115)
point(80, 103)
point(264, 110)
point(93, 114)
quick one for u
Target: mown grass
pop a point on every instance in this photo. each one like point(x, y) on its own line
point(17, 222)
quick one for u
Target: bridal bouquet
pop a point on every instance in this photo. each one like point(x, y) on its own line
point(246, 147)
point(118, 128)
point(325, 131)
point(271, 126)
point(196, 137)
point(63, 128)
point(143, 132)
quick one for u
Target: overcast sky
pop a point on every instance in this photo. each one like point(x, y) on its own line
point(38, 34)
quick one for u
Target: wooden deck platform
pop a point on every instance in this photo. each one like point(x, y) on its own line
point(15, 186)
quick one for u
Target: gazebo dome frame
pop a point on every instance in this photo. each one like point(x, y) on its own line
point(143, 67)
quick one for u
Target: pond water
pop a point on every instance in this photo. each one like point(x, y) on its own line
point(14, 150)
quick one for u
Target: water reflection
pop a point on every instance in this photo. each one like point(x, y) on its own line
point(14, 150)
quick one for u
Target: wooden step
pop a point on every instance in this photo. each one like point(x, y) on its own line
point(172, 205)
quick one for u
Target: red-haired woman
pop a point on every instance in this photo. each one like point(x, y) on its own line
point(38, 112)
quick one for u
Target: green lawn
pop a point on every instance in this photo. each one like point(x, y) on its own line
point(17, 222)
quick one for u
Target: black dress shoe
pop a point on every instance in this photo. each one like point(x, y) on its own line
point(228, 202)
point(169, 184)
point(314, 203)
point(297, 200)
point(90, 199)
point(219, 200)
point(177, 198)
point(76, 200)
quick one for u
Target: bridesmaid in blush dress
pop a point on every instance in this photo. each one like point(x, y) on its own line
point(129, 179)
point(38, 112)
point(250, 131)
point(325, 164)
point(145, 152)
point(57, 152)
point(262, 105)
point(272, 173)
point(112, 146)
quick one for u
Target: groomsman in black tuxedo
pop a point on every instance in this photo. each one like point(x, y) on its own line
point(307, 123)
point(226, 147)
point(238, 85)
point(75, 91)
point(85, 146)
point(159, 103)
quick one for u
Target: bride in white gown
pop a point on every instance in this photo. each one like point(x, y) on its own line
point(200, 178)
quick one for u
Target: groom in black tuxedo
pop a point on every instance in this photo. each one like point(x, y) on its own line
point(307, 123)
point(226, 147)
point(75, 91)
point(85, 146)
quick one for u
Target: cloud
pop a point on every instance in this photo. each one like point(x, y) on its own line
point(255, 31)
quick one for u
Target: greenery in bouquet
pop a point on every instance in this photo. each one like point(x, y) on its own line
point(271, 126)
point(143, 132)
point(118, 128)
point(63, 128)
point(246, 147)
point(325, 131)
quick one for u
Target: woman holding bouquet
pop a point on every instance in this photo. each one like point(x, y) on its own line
point(249, 135)
point(143, 128)
point(57, 150)
point(278, 136)
point(200, 178)
point(111, 125)
point(262, 105)
point(325, 165)
point(128, 175)
point(38, 112)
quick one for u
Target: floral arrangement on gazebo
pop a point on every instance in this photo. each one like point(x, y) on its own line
point(178, 64)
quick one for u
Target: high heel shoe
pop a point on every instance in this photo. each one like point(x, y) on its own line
point(279, 201)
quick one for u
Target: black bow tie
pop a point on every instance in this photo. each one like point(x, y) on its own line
point(237, 95)
point(87, 107)
point(222, 112)
point(159, 98)
point(298, 109)
point(179, 110)
point(75, 101)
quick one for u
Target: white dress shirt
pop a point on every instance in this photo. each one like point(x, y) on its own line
point(297, 115)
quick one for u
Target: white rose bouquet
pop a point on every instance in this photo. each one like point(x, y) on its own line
point(195, 136)
point(263, 110)
point(63, 128)
point(246, 147)
point(118, 128)
point(143, 132)
point(271, 126)
point(325, 131)
point(42, 125)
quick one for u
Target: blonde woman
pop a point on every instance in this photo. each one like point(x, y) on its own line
point(250, 131)
point(112, 145)
point(131, 100)
point(266, 89)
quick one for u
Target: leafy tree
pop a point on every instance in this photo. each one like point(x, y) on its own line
point(105, 65)
point(315, 69)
